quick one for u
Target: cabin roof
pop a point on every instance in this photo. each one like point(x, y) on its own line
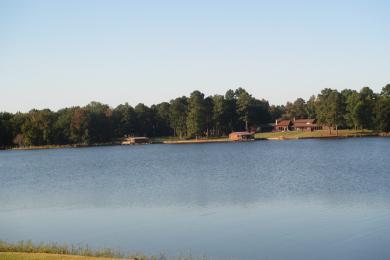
point(305, 122)
point(283, 123)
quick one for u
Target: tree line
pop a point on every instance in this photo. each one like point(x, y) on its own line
point(193, 116)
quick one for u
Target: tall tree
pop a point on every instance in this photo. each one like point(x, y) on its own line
point(365, 108)
point(79, 126)
point(124, 120)
point(145, 119)
point(99, 122)
point(178, 111)
point(38, 128)
point(162, 111)
point(276, 112)
point(220, 115)
point(196, 124)
point(330, 109)
point(244, 102)
point(61, 127)
point(231, 111)
point(17, 121)
point(311, 107)
point(382, 110)
point(259, 112)
point(352, 100)
point(299, 109)
point(385, 91)
point(6, 130)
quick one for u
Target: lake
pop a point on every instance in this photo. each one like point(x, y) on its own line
point(306, 199)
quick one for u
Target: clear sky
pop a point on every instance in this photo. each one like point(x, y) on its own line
point(63, 53)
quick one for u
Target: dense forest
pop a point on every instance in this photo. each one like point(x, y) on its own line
point(193, 116)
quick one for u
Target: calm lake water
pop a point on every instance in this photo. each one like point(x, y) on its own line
point(311, 199)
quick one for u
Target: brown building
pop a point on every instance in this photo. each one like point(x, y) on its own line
point(306, 125)
point(283, 125)
point(242, 136)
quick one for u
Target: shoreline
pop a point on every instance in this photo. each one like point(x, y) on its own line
point(281, 138)
point(271, 136)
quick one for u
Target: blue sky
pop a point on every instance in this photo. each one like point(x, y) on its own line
point(63, 53)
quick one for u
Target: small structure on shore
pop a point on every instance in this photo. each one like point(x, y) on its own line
point(242, 136)
point(283, 125)
point(136, 140)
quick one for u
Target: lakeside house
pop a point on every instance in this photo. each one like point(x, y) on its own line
point(306, 125)
point(283, 125)
point(136, 140)
point(242, 136)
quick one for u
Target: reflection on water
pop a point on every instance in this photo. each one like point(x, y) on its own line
point(317, 199)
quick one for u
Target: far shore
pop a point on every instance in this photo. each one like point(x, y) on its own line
point(290, 135)
point(319, 134)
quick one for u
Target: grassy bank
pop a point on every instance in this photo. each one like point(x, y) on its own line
point(45, 256)
point(54, 146)
point(27, 250)
point(315, 134)
point(57, 249)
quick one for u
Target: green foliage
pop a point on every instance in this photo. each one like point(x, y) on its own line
point(352, 99)
point(299, 109)
point(244, 102)
point(360, 108)
point(55, 248)
point(382, 110)
point(311, 107)
point(145, 120)
point(124, 120)
point(277, 112)
point(196, 114)
point(330, 108)
point(61, 129)
point(6, 131)
point(99, 117)
point(38, 127)
point(178, 116)
point(58, 251)
point(78, 128)
point(386, 91)
point(162, 119)
point(199, 116)
point(231, 112)
point(219, 114)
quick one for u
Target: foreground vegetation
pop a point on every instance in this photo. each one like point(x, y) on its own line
point(195, 116)
point(27, 250)
point(55, 248)
point(45, 256)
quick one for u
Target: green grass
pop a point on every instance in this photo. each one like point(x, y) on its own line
point(47, 256)
point(55, 248)
point(314, 134)
point(158, 140)
point(27, 250)
point(44, 256)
